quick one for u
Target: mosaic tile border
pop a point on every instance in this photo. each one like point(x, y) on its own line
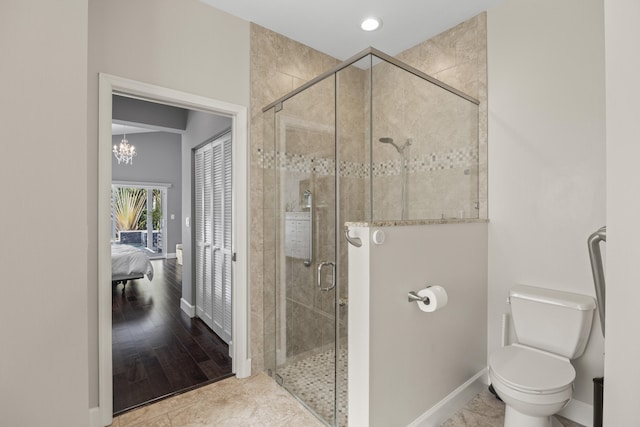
point(432, 162)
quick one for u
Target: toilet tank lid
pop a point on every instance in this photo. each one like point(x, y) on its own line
point(553, 297)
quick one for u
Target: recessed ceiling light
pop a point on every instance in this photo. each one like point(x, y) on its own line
point(371, 24)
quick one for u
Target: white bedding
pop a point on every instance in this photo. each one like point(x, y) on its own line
point(128, 262)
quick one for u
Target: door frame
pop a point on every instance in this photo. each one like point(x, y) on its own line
point(108, 86)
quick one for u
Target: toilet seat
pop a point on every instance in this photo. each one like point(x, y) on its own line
point(531, 371)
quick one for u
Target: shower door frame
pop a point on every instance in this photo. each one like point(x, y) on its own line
point(284, 123)
point(298, 123)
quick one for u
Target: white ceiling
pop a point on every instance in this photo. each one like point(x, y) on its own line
point(333, 26)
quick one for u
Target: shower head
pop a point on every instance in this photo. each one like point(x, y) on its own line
point(387, 140)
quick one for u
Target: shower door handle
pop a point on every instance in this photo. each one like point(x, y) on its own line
point(308, 197)
point(333, 275)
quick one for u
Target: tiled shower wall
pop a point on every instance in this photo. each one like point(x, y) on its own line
point(279, 65)
point(437, 132)
point(458, 57)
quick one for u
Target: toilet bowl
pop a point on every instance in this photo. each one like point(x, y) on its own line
point(534, 376)
point(533, 384)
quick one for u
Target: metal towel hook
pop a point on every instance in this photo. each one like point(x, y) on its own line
point(355, 241)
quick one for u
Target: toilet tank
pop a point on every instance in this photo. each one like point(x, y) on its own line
point(555, 321)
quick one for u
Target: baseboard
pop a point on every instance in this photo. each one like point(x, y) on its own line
point(187, 308)
point(452, 403)
point(94, 417)
point(579, 412)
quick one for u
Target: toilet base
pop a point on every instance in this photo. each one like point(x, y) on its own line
point(513, 418)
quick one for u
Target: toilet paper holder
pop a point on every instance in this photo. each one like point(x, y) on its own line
point(414, 297)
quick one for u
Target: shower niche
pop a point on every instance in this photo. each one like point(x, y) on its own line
point(371, 141)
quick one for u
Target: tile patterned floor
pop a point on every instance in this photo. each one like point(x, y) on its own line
point(255, 401)
point(485, 410)
point(259, 402)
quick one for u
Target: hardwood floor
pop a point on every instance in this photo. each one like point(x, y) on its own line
point(157, 349)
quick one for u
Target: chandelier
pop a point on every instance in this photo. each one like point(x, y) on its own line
point(124, 152)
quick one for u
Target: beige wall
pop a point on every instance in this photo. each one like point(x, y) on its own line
point(43, 220)
point(182, 45)
point(622, 371)
point(547, 156)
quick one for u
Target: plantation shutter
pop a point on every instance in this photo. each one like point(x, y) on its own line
point(203, 234)
point(227, 249)
point(213, 216)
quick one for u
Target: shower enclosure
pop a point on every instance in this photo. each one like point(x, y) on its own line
point(371, 140)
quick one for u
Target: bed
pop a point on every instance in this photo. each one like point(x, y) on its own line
point(129, 263)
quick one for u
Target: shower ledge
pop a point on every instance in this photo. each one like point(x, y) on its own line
point(399, 223)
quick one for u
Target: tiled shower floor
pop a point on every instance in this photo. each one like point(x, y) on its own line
point(312, 381)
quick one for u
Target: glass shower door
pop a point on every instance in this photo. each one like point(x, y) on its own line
point(306, 272)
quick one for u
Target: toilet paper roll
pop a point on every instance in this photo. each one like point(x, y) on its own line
point(437, 298)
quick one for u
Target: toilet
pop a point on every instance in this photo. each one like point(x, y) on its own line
point(534, 377)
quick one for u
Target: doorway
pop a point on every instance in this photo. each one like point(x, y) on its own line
point(110, 85)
